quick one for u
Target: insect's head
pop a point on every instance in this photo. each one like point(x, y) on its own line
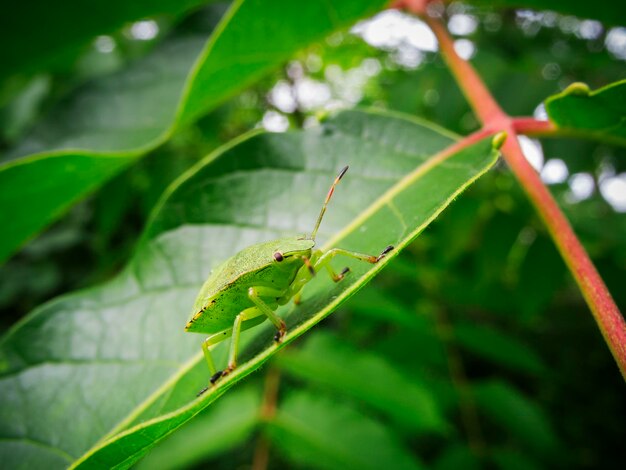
point(328, 196)
point(292, 249)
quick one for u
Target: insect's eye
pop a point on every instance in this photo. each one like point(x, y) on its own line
point(278, 256)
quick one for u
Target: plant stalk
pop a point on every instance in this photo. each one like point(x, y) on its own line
point(494, 119)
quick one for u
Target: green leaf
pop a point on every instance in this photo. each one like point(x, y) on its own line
point(457, 456)
point(66, 28)
point(112, 366)
point(328, 361)
point(380, 306)
point(608, 12)
point(318, 432)
point(541, 272)
point(600, 114)
point(218, 429)
point(498, 347)
point(512, 460)
point(229, 63)
point(109, 123)
point(31, 198)
point(516, 414)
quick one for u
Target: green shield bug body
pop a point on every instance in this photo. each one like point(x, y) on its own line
point(247, 289)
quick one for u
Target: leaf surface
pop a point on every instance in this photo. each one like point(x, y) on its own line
point(66, 28)
point(107, 124)
point(218, 429)
point(518, 416)
point(600, 113)
point(317, 432)
point(112, 366)
point(499, 348)
point(327, 361)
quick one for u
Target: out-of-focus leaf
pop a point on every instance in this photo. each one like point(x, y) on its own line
point(23, 107)
point(106, 125)
point(379, 305)
point(229, 63)
point(65, 365)
point(498, 347)
point(33, 194)
point(512, 460)
point(415, 351)
point(66, 28)
point(457, 456)
point(600, 113)
point(608, 12)
point(541, 273)
point(517, 415)
point(318, 432)
point(220, 428)
point(328, 361)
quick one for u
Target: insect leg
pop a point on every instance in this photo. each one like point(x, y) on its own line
point(246, 314)
point(325, 259)
point(255, 294)
point(304, 275)
point(334, 276)
point(211, 340)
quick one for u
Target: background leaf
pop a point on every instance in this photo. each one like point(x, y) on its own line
point(325, 360)
point(498, 347)
point(219, 428)
point(322, 433)
point(128, 334)
point(65, 31)
point(125, 115)
point(601, 113)
point(517, 415)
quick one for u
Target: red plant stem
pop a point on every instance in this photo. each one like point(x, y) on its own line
point(607, 315)
point(534, 127)
point(480, 99)
point(494, 119)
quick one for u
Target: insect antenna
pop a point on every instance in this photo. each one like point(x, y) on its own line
point(328, 196)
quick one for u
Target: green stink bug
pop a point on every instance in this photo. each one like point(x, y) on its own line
point(246, 290)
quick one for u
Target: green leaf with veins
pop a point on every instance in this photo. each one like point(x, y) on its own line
point(338, 366)
point(106, 125)
point(319, 432)
point(497, 347)
point(600, 114)
point(220, 428)
point(520, 417)
point(112, 366)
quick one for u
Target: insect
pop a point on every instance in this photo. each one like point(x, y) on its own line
point(247, 289)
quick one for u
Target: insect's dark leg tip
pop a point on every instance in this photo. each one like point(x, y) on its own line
point(384, 253)
point(280, 334)
point(215, 377)
point(201, 392)
point(342, 274)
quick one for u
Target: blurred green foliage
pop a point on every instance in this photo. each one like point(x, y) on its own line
point(473, 349)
